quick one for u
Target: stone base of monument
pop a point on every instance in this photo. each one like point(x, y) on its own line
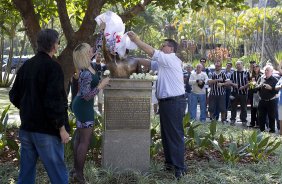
point(126, 139)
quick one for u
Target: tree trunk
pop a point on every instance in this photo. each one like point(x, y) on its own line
point(30, 20)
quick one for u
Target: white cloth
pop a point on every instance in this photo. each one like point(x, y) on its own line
point(114, 32)
point(170, 76)
point(193, 81)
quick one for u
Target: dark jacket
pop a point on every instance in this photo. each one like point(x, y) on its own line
point(266, 94)
point(38, 92)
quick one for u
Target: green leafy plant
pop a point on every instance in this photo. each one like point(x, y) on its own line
point(232, 152)
point(190, 133)
point(4, 140)
point(261, 147)
point(156, 143)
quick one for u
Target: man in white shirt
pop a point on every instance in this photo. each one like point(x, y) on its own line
point(198, 79)
point(172, 102)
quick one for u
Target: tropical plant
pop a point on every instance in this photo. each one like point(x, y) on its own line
point(232, 152)
point(261, 147)
point(4, 140)
point(156, 143)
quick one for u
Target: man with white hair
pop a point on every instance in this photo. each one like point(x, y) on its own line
point(267, 104)
point(198, 79)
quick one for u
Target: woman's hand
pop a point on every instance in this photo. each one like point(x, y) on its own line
point(104, 83)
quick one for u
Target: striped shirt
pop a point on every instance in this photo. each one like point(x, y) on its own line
point(241, 78)
point(215, 89)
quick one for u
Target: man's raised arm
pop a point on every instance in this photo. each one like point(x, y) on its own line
point(142, 45)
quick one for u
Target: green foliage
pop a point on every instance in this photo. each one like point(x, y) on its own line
point(4, 119)
point(278, 57)
point(230, 153)
point(261, 147)
point(190, 131)
point(194, 140)
point(156, 143)
point(251, 57)
point(255, 146)
point(4, 140)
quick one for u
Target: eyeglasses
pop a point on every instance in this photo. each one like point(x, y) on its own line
point(203, 61)
point(166, 46)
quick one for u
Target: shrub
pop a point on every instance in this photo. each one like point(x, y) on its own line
point(261, 147)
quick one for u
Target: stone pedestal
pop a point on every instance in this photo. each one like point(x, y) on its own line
point(126, 139)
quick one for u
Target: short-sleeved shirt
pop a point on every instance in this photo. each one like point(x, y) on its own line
point(170, 76)
point(241, 78)
point(215, 89)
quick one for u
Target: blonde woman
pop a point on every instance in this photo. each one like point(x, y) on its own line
point(88, 87)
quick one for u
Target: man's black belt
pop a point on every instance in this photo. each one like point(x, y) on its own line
point(267, 100)
point(172, 98)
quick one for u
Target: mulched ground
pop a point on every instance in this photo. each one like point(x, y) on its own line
point(9, 155)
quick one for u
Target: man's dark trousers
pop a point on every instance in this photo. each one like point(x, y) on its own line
point(267, 108)
point(172, 112)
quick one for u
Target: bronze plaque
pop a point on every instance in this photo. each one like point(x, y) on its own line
point(127, 113)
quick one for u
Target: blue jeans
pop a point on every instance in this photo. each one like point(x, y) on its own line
point(188, 96)
point(172, 133)
point(49, 149)
point(194, 101)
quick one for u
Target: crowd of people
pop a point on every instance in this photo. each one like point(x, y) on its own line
point(227, 88)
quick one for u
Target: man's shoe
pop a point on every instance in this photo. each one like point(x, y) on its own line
point(180, 173)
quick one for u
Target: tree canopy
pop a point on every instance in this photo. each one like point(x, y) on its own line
point(77, 22)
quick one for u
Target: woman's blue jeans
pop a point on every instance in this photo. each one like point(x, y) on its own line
point(49, 149)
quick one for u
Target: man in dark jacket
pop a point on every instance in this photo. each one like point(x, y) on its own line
point(38, 92)
point(267, 104)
